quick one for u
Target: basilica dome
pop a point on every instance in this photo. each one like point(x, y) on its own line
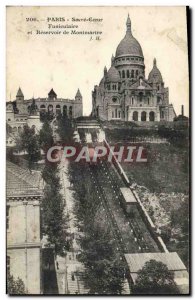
point(129, 45)
point(155, 75)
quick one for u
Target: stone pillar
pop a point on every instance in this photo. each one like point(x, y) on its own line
point(101, 136)
point(130, 116)
point(36, 227)
point(147, 116)
point(76, 136)
point(139, 115)
point(88, 137)
point(109, 113)
point(157, 116)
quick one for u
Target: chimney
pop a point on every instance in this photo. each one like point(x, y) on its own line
point(182, 110)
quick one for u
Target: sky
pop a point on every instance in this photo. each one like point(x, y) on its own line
point(65, 63)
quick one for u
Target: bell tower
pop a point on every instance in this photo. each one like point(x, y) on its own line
point(19, 96)
point(78, 96)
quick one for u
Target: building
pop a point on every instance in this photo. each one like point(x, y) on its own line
point(21, 112)
point(24, 192)
point(136, 262)
point(124, 93)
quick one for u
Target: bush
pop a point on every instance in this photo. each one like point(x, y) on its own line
point(15, 287)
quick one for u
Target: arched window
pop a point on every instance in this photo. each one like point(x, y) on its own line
point(158, 99)
point(132, 73)
point(58, 109)
point(151, 116)
point(14, 130)
point(112, 114)
point(148, 101)
point(114, 99)
point(143, 116)
point(120, 73)
point(135, 116)
point(127, 73)
point(19, 129)
point(42, 107)
point(123, 74)
point(140, 97)
point(136, 73)
point(64, 110)
point(115, 112)
point(50, 108)
point(119, 113)
point(162, 115)
point(132, 100)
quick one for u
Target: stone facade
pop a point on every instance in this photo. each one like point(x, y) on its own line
point(125, 94)
point(19, 112)
point(23, 227)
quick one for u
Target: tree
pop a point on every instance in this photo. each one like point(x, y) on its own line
point(104, 270)
point(46, 115)
point(65, 129)
point(46, 135)
point(29, 141)
point(33, 108)
point(50, 176)
point(15, 287)
point(155, 278)
point(53, 219)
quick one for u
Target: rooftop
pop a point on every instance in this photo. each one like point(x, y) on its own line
point(171, 259)
point(128, 195)
point(21, 182)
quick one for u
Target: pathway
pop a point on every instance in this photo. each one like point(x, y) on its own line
point(69, 269)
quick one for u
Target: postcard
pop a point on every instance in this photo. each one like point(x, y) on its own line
point(97, 150)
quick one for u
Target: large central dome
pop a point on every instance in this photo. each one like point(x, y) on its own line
point(129, 45)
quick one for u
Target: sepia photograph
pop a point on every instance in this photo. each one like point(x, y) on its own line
point(97, 150)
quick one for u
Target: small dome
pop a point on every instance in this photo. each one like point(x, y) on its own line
point(155, 75)
point(112, 75)
point(129, 45)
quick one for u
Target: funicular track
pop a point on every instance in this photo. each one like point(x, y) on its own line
point(133, 223)
point(129, 236)
point(104, 202)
